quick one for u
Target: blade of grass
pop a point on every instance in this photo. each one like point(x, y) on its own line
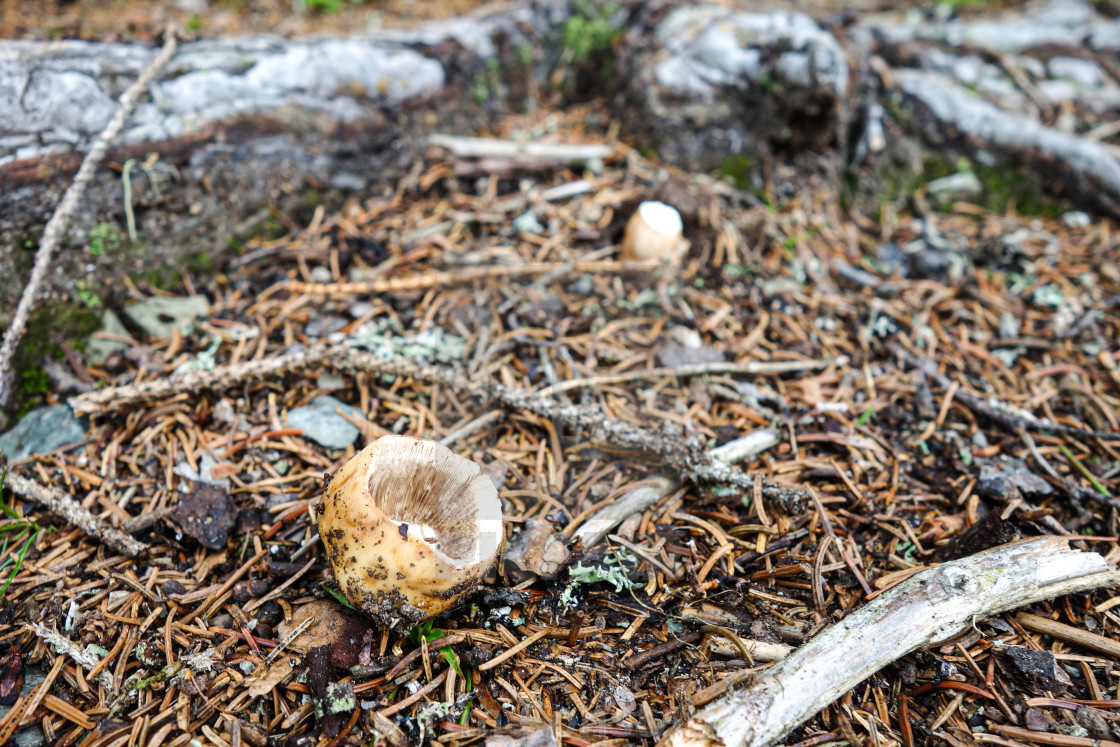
point(19, 563)
point(1084, 471)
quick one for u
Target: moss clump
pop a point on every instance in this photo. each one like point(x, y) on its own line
point(47, 329)
point(738, 167)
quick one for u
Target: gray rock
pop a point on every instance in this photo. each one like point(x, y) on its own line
point(963, 185)
point(1009, 326)
point(329, 381)
point(321, 326)
point(99, 348)
point(1007, 478)
point(1035, 671)
point(205, 473)
point(41, 430)
point(323, 425)
point(527, 223)
point(542, 736)
point(1082, 72)
point(158, 315)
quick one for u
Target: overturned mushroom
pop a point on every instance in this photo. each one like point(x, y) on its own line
point(653, 232)
point(410, 527)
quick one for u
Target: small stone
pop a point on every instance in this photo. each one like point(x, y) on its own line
point(1035, 671)
point(328, 381)
point(963, 185)
point(527, 223)
point(206, 513)
point(41, 430)
point(537, 550)
point(172, 586)
point(323, 425)
point(1008, 325)
point(1007, 478)
point(1037, 720)
point(625, 699)
point(320, 274)
point(1084, 73)
point(542, 736)
point(222, 620)
point(1091, 720)
point(159, 316)
point(244, 591)
point(1076, 219)
point(270, 613)
point(97, 348)
point(684, 347)
point(321, 326)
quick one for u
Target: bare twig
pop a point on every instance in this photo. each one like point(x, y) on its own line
point(698, 369)
point(69, 509)
point(461, 276)
point(59, 222)
point(675, 451)
point(931, 606)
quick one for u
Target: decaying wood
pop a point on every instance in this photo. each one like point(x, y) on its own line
point(596, 528)
point(931, 606)
point(65, 506)
point(60, 220)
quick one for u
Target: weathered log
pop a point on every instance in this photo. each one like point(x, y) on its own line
point(929, 607)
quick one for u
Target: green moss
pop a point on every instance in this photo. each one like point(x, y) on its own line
point(201, 263)
point(47, 329)
point(588, 32)
point(161, 277)
point(738, 167)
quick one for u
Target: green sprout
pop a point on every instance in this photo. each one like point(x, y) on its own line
point(424, 633)
point(25, 533)
point(341, 599)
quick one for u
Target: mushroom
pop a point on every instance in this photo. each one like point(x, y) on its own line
point(410, 527)
point(654, 231)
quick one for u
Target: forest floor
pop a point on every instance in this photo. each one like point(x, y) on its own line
point(891, 367)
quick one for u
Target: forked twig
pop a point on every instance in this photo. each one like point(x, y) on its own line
point(60, 221)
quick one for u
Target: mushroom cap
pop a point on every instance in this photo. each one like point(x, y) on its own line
point(410, 527)
point(653, 231)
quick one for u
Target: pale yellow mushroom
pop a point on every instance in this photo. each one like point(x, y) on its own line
point(410, 528)
point(653, 232)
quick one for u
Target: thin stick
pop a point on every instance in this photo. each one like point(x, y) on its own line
point(460, 276)
point(931, 606)
point(673, 450)
point(69, 509)
point(699, 369)
point(60, 221)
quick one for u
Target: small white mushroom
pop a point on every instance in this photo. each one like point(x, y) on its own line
point(654, 231)
point(410, 527)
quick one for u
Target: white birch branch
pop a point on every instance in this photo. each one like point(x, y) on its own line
point(929, 607)
point(60, 220)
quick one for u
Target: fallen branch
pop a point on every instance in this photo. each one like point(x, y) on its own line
point(65, 506)
point(929, 607)
point(461, 276)
point(60, 221)
point(697, 369)
point(674, 450)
